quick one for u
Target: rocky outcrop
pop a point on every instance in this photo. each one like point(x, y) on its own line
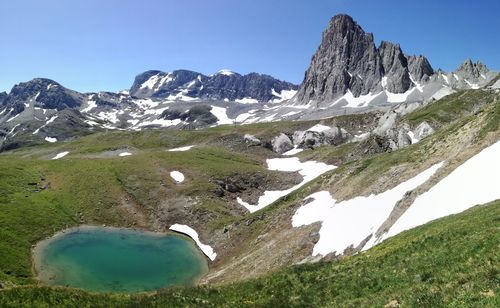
point(3, 96)
point(251, 140)
point(423, 130)
point(42, 93)
point(374, 144)
point(346, 59)
point(197, 116)
point(420, 68)
point(281, 144)
point(336, 136)
point(307, 139)
point(472, 71)
point(396, 77)
point(311, 139)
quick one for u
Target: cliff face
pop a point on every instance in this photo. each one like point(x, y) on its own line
point(348, 60)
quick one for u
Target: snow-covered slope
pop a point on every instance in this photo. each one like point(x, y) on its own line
point(353, 223)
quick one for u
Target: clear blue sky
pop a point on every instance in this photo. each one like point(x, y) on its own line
point(93, 45)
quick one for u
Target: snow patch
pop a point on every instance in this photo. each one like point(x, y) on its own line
point(355, 102)
point(247, 100)
point(309, 171)
point(207, 250)
point(52, 119)
point(123, 154)
point(60, 155)
point(177, 176)
point(283, 95)
point(293, 151)
point(225, 72)
point(13, 117)
point(384, 82)
point(220, 113)
point(348, 223)
point(472, 85)
point(474, 182)
point(444, 91)
point(161, 122)
point(319, 128)
point(445, 78)
point(182, 149)
point(90, 105)
point(50, 139)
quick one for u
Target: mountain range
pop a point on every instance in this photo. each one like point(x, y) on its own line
point(348, 74)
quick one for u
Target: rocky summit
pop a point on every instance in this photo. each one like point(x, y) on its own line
point(348, 74)
point(349, 70)
point(224, 85)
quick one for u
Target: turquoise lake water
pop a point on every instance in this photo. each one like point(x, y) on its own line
point(118, 260)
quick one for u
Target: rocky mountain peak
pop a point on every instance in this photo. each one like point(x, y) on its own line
point(420, 68)
point(3, 96)
point(396, 77)
point(224, 85)
point(468, 69)
point(41, 92)
point(346, 59)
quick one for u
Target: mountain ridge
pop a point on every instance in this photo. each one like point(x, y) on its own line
point(348, 74)
point(348, 61)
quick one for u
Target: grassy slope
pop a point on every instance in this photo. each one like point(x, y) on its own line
point(94, 187)
point(79, 184)
point(453, 261)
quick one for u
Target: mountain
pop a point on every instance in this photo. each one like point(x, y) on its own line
point(31, 111)
point(225, 85)
point(348, 74)
point(348, 70)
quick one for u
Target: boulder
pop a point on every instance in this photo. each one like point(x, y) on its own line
point(281, 143)
point(251, 140)
point(423, 130)
point(307, 139)
point(336, 136)
point(403, 139)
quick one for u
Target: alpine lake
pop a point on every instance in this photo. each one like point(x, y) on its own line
point(102, 259)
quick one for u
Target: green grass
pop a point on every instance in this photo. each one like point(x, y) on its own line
point(94, 187)
point(451, 262)
point(447, 262)
point(451, 108)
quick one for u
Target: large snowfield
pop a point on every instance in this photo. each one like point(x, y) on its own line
point(349, 223)
point(477, 181)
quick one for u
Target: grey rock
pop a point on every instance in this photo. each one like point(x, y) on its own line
point(307, 139)
point(281, 143)
point(346, 59)
point(372, 145)
point(3, 96)
point(336, 136)
point(403, 138)
point(197, 116)
point(251, 140)
point(423, 130)
point(395, 67)
point(420, 68)
point(43, 93)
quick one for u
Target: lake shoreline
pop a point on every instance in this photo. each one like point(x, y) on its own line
point(39, 247)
